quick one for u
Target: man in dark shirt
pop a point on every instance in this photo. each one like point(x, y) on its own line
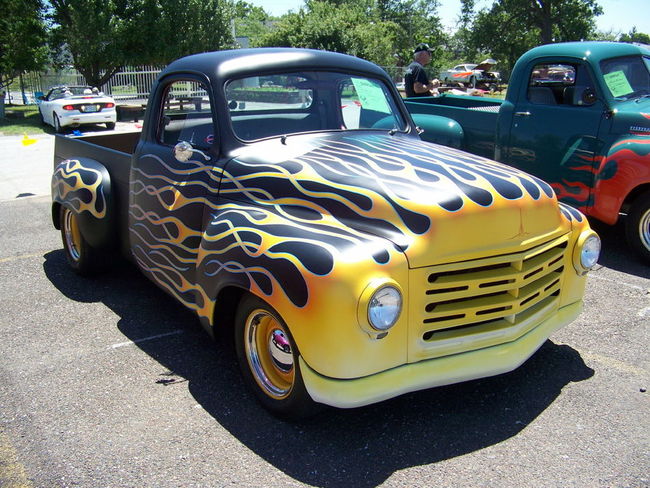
point(416, 82)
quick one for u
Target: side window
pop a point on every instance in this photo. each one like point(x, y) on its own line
point(350, 106)
point(549, 82)
point(365, 104)
point(561, 84)
point(186, 115)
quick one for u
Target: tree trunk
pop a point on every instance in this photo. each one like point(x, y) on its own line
point(545, 24)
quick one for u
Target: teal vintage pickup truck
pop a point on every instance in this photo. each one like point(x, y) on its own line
point(575, 114)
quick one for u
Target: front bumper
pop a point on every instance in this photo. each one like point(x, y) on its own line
point(446, 370)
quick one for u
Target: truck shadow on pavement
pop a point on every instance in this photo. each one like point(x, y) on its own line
point(616, 254)
point(360, 447)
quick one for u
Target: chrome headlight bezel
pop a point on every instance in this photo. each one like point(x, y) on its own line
point(586, 252)
point(383, 294)
point(384, 308)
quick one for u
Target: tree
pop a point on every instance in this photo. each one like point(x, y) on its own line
point(511, 27)
point(250, 21)
point(634, 36)
point(104, 35)
point(92, 31)
point(345, 27)
point(22, 41)
point(376, 30)
point(417, 22)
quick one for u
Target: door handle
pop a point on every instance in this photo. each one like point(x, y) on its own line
point(522, 114)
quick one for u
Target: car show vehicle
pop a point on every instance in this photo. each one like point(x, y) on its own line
point(293, 204)
point(473, 75)
point(73, 106)
point(576, 115)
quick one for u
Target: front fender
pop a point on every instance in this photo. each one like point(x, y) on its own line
point(440, 130)
point(313, 272)
point(84, 186)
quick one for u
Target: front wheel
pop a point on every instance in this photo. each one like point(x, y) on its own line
point(268, 359)
point(82, 257)
point(637, 226)
point(110, 125)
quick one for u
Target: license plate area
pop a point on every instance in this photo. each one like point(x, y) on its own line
point(89, 108)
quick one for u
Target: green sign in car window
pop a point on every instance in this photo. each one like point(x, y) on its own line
point(617, 83)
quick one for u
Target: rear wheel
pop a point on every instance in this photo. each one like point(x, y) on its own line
point(82, 257)
point(637, 226)
point(268, 359)
point(57, 124)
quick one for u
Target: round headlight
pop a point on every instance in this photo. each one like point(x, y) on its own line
point(384, 308)
point(590, 252)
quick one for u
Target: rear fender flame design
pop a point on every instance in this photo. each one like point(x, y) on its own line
point(81, 186)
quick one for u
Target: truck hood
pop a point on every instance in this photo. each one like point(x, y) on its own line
point(436, 204)
point(486, 65)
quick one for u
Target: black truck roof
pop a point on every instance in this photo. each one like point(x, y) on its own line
point(224, 65)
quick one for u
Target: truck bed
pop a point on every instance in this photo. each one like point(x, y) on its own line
point(477, 116)
point(114, 151)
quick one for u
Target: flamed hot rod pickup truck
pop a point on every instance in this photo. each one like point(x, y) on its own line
point(293, 203)
point(575, 114)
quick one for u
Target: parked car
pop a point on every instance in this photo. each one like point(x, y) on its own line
point(473, 75)
point(73, 106)
point(352, 261)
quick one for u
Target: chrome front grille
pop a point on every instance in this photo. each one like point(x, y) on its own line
point(482, 302)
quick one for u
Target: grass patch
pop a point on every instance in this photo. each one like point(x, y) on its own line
point(21, 119)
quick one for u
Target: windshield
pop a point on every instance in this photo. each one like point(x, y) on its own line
point(627, 77)
point(282, 104)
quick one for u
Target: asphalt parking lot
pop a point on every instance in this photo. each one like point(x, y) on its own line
point(106, 382)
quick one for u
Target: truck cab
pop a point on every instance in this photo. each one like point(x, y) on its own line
point(577, 116)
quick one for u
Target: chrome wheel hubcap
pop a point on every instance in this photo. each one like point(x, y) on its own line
point(270, 354)
point(72, 235)
point(644, 229)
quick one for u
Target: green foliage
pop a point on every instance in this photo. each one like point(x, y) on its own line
point(22, 38)
point(382, 31)
point(250, 21)
point(511, 27)
point(634, 36)
point(103, 35)
point(92, 32)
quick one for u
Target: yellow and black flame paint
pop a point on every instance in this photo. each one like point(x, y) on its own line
point(283, 229)
point(82, 186)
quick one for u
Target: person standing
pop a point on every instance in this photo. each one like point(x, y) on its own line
point(416, 82)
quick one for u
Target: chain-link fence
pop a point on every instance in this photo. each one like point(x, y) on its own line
point(132, 83)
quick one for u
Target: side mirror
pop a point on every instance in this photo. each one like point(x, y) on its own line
point(183, 152)
point(588, 96)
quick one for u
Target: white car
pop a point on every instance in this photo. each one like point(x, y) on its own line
point(72, 106)
point(472, 74)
